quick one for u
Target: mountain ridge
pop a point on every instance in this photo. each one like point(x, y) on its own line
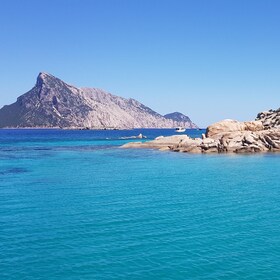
point(54, 103)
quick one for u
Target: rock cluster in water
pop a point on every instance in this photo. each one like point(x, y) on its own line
point(261, 135)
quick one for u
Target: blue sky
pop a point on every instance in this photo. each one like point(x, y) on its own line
point(210, 59)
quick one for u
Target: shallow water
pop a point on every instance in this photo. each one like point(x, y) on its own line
point(73, 205)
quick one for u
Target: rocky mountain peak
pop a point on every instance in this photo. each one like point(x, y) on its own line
point(54, 103)
point(43, 78)
point(47, 80)
point(44, 75)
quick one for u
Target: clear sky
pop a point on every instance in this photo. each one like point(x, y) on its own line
point(209, 59)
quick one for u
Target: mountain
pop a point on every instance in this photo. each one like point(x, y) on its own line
point(54, 103)
point(180, 119)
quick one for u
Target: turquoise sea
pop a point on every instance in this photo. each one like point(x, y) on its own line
point(73, 205)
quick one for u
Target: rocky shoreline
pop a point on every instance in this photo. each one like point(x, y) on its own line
point(227, 136)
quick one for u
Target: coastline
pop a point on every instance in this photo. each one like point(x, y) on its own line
point(227, 136)
point(96, 128)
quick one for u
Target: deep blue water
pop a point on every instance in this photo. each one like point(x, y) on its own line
point(73, 205)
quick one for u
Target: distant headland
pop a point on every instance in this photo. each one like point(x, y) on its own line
point(52, 103)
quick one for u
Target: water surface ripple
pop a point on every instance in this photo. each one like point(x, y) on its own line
point(75, 206)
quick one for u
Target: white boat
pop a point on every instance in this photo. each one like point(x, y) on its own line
point(180, 129)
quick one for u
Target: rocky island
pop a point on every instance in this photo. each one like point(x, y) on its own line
point(227, 136)
point(52, 103)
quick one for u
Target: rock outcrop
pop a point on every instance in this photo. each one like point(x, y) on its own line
point(215, 130)
point(228, 136)
point(54, 103)
point(270, 119)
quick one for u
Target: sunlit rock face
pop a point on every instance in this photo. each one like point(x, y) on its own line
point(54, 103)
point(270, 119)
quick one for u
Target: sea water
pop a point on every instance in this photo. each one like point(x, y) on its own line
point(73, 205)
